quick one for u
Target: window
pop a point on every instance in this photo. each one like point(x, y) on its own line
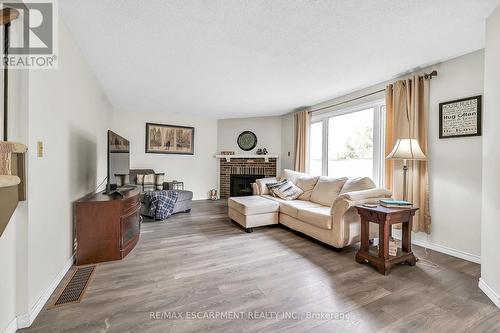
point(316, 151)
point(349, 142)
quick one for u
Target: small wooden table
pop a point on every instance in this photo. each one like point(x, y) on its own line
point(385, 218)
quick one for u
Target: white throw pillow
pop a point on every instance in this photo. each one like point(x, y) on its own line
point(271, 186)
point(287, 190)
point(358, 184)
point(326, 190)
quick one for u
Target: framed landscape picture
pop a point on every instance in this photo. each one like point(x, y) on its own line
point(461, 117)
point(169, 139)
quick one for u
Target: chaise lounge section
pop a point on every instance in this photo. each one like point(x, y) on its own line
point(325, 210)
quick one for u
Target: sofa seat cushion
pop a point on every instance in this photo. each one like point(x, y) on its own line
point(291, 208)
point(252, 205)
point(326, 190)
point(270, 197)
point(319, 217)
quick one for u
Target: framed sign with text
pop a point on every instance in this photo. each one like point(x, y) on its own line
point(459, 118)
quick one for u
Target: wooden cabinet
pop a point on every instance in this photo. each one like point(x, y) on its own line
point(107, 226)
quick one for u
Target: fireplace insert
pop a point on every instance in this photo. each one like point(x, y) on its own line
point(240, 184)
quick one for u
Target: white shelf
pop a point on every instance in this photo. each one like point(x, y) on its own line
point(229, 157)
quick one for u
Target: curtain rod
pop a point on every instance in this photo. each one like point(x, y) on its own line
point(426, 76)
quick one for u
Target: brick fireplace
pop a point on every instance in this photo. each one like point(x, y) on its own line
point(248, 168)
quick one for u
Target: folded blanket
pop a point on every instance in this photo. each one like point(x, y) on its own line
point(160, 203)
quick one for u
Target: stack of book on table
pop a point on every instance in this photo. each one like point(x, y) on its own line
point(393, 246)
point(395, 204)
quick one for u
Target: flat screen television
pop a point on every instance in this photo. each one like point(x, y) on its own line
point(118, 162)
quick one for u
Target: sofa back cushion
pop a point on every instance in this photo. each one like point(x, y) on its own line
point(306, 184)
point(326, 190)
point(304, 181)
point(293, 176)
point(358, 184)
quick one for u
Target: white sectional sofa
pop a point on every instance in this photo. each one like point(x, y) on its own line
point(325, 211)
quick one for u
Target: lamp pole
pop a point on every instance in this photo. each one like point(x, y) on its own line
point(405, 172)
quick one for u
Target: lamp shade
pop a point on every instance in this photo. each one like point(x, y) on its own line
point(406, 149)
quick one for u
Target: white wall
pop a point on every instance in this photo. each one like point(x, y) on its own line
point(198, 171)
point(68, 112)
point(267, 130)
point(490, 246)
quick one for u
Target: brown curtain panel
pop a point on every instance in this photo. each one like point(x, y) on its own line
point(407, 104)
point(302, 124)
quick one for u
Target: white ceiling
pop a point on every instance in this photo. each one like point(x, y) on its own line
point(235, 58)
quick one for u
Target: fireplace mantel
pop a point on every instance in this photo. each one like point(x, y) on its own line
point(249, 156)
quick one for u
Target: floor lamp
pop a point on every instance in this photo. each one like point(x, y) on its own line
point(404, 150)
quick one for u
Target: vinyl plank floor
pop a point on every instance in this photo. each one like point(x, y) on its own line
point(200, 264)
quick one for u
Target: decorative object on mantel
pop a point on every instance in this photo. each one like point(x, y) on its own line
point(459, 118)
point(169, 139)
point(227, 152)
point(406, 149)
point(262, 151)
point(247, 156)
point(247, 140)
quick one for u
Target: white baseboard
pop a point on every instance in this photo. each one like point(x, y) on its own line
point(26, 319)
point(11, 327)
point(443, 249)
point(495, 298)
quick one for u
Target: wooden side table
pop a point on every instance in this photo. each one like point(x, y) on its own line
point(385, 218)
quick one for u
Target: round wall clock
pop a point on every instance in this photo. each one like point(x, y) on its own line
point(247, 140)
